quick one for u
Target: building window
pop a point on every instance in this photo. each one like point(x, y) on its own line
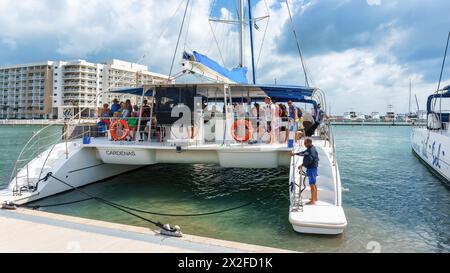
point(56, 74)
point(55, 95)
point(56, 81)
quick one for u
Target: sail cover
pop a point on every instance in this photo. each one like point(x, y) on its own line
point(133, 91)
point(238, 75)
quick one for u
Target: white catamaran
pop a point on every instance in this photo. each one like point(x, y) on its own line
point(432, 143)
point(215, 123)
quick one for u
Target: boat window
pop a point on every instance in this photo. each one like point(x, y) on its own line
point(441, 105)
point(167, 98)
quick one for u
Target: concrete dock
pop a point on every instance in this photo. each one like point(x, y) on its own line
point(28, 231)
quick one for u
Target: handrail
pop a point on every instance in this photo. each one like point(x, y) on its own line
point(335, 165)
point(48, 155)
point(29, 143)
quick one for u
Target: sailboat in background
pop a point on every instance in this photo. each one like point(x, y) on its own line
point(411, 117)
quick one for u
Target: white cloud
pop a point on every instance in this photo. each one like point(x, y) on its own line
point(10, 43)
point(364, 79)
point(82, 28)
point(373, 2)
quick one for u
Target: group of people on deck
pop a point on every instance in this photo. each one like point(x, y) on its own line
point(275, 120)
point(271, 122)
point(125, 110)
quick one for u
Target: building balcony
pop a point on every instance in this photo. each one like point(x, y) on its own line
point(79, 76)
point(80, 84)
point(81, 92)
point(80, 70)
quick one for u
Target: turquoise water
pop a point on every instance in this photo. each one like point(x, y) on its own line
point(392, 202)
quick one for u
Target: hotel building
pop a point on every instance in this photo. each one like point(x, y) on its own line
point(61, 89)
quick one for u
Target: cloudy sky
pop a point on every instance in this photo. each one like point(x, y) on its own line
point(362, 53)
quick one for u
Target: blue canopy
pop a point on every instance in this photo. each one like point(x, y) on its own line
point(287, 91)
point(238, 75)
point(133, 91)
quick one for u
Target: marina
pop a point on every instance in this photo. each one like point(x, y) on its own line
point(235, 148)
point(231, 122)
point(371, 123)
point(376, 210)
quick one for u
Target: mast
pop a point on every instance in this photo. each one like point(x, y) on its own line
point(242, 33)
point(409, 109)
point(251, 40)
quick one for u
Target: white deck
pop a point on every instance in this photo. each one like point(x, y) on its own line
point(327, 215)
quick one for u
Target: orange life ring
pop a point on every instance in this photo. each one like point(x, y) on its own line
point(248, 129)
point(113, 127)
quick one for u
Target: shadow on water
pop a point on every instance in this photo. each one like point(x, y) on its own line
point(393, 203)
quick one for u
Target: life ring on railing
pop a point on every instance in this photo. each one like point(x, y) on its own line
point(248, 130)
point(113, 127)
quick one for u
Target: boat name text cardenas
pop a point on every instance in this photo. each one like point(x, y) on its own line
point(121, 153)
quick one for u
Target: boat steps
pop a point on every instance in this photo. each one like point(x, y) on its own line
point(321, 218)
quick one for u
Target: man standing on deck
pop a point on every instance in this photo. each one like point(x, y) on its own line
point(311, 163)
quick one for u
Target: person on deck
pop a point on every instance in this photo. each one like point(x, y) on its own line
point(115, 107)
point(311, 163)
point(271, 116)
point(133, 123)
point(104, 115)
point(126, 111)
point(144, 114)
point(284, 126)
point(295, 114)
point(318, 120)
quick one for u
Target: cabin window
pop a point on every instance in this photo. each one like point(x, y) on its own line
point(439, 105)
point(167, 98)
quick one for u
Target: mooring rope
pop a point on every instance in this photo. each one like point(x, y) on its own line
point(128, 208)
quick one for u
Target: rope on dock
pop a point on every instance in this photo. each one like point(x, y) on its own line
point(55, 205)
point(166, 228)
point(128, 210)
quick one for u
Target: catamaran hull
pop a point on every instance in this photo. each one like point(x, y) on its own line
point(327, 216)
point(332, 230)
point(86, 164)
point(433, 148)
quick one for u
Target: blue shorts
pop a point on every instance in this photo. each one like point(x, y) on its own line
point(312, 176)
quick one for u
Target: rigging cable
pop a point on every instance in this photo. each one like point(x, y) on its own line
point(188, 27)
point(178, 39)
point(297, 43)
point(440, 79)
point(217, 44)
point(264, 36)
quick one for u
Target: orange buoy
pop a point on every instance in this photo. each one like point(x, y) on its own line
point(248, 130)
point(113, 127)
